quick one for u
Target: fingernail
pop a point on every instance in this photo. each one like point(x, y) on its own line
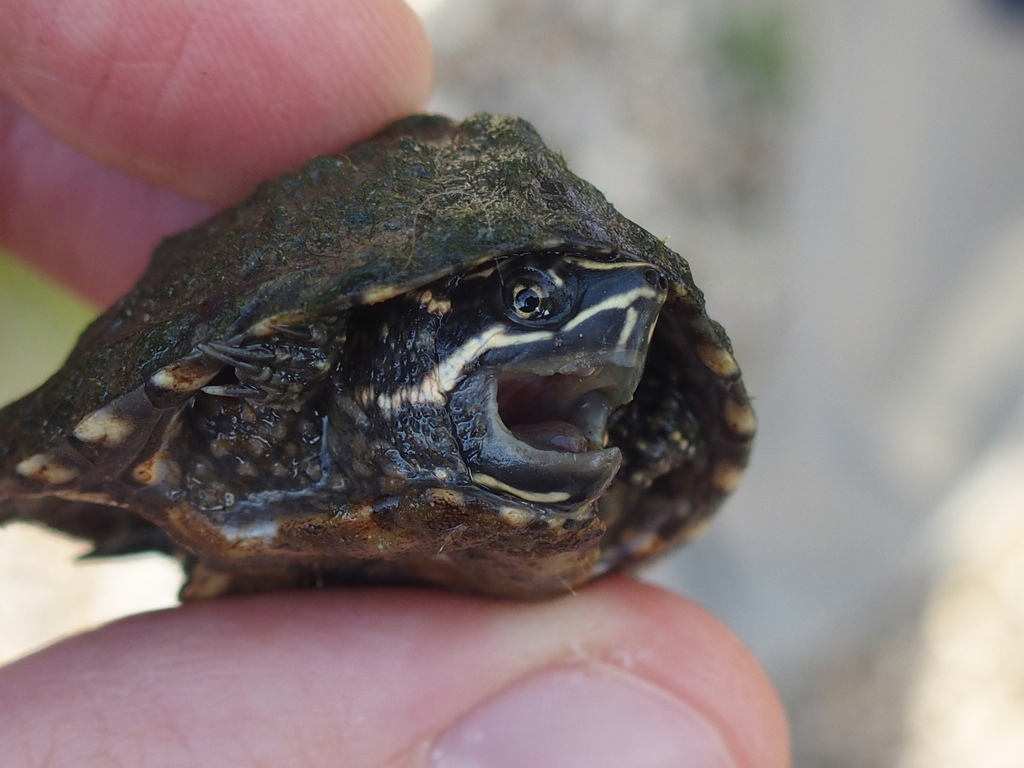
point(593, 716)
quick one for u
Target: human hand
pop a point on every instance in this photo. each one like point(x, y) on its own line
point(123, 123)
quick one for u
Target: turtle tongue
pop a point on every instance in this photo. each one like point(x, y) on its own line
point(581, 429)
point(552, 436)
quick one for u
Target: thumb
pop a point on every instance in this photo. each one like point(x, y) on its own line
point(619, 675)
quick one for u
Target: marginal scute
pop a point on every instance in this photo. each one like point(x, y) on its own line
point(182, 378)
point(155, 470)
point(718, 360)
point(517, 517)
point(264, 530)
point(105, 428)
point(727, 476)
point(643, 544)
point(740, 418)
point(46, 469)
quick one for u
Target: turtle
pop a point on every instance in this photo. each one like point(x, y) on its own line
point(437, 357)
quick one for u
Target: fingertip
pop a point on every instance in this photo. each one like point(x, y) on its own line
point(209, 98)
point(125, 121)
point(678, 645)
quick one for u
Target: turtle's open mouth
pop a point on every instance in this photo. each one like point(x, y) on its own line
point(563, 412)
point(539, 432)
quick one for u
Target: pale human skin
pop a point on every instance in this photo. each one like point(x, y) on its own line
point(117, 127)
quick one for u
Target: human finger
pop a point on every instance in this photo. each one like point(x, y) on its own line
point(620, 674)
point(101, 115)
point(209, 98)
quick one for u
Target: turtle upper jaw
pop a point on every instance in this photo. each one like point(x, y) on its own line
point(539, 433)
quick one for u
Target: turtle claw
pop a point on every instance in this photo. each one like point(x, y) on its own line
point(303, 334)
point(278, 372)
point(253, 362)
point(234, 390)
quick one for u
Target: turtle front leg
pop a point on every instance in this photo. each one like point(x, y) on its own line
point(276, 364)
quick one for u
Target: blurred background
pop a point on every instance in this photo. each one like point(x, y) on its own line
point(847, 181)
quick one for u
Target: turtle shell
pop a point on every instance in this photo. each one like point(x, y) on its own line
point(295, 273)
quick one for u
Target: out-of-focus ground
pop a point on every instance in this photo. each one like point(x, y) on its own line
point(847, 180)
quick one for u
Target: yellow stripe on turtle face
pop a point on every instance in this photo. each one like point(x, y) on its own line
point(618, 301)
point(552, 497)
point(627, 328)
point(603, 266)
point(496, 336)
point(435, 385)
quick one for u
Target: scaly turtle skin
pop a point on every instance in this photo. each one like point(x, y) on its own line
point(419, 360)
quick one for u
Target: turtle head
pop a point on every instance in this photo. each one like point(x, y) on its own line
point(536, 353)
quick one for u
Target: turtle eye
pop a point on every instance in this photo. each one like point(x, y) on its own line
point(529, 300)
point(534, 296)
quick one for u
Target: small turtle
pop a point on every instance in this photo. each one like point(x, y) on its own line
point(419, 360)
